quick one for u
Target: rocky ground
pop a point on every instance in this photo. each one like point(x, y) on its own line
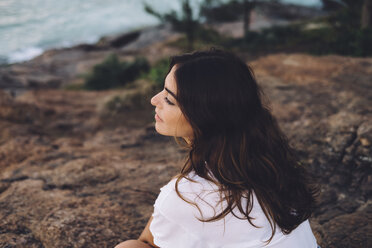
point(324, 106)
point(67, 179)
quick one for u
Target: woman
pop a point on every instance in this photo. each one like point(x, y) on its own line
point(242, 184)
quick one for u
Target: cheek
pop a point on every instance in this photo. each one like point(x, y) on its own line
point(174, 122)
point(171, 119)
point(184, 127)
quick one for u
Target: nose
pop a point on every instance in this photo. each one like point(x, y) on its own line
point(154, 100)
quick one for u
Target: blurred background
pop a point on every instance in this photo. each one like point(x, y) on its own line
point(80, 161)
point(28, 28)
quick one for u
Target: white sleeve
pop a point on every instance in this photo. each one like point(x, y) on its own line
point(167, 232)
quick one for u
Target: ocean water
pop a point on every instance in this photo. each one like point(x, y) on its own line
point(28, 27)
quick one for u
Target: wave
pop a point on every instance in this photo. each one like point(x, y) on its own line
point(24, 54)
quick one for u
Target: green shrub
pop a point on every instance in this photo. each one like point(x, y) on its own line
point(126, 102)
point(268, 40)
point(325, 39)
point(205, 38)
point(217, 11)
point(135, 99)
point(364, 41)
point(339, 32)
point(158, 72)
point(112, 73)
point(339, 41)
point(209, 35)
point(274, 37)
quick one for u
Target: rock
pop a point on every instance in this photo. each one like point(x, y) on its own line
point(5, 98)
point(88, 47)
point(119, 40)
point(43, 81)
point(13, 111)
point(323, 104)
point(349, 230)
point(69, 178)
point(364, 142)
point(7, 80)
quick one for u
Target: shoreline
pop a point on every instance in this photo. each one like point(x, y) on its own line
point(278, 13)
point(37, 50)
point(58, 67)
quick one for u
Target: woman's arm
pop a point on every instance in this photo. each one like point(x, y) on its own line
point(145, 240)
point(146, 235)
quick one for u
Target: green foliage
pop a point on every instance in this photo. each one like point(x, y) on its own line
point(354, 42)
point(130, 101)
point(205, 38)
point(218, 11)
point(344, 35)
point(347, 16)
point(338, 33)
point(129, 108)
point(209, 35)
point(182, 23)
point(112, 73)
point(331, 5)
point(274, 37)
point(158, 72)
point(319, 41)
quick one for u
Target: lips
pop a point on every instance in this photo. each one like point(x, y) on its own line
point(157, 118)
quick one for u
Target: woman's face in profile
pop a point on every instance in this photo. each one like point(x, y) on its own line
point(169, 118)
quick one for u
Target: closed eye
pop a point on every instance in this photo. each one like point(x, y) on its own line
point(168, 102)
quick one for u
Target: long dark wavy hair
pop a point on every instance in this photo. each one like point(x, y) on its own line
point(238, 141)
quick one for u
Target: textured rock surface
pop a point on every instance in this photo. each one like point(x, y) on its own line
point(67, 179)
point(324, 106)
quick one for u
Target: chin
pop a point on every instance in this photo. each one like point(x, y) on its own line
point(159, 130)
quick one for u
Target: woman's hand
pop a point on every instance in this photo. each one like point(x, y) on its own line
point(146, 240)
point(133, 244)
point(146, 235)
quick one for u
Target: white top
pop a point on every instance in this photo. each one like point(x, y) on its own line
point(175, 223)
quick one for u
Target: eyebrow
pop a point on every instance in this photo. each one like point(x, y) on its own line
point(170, 92)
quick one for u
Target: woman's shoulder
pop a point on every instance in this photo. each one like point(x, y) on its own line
point(175, 198)
point(192, 183)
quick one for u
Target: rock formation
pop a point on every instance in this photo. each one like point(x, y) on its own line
point(70, 179)
point(324, 106)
